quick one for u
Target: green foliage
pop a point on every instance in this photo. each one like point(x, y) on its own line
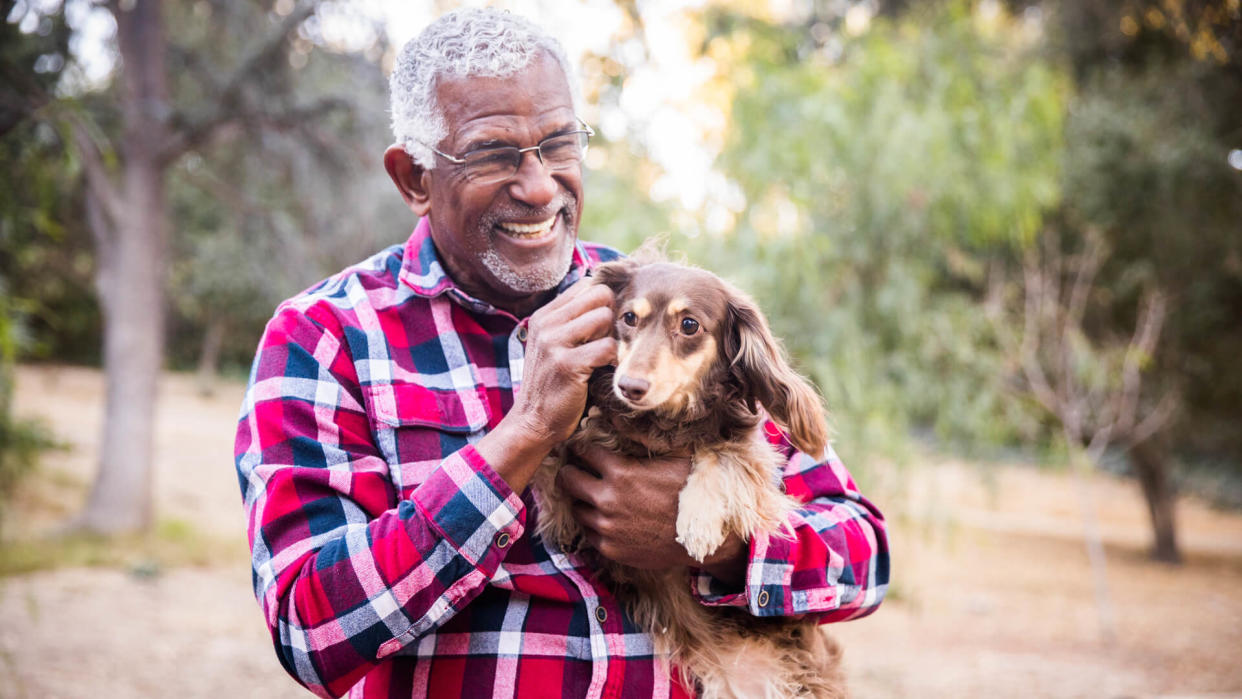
point(286, 201)
point(618, 211)
point(1146, 165)
point(927, 146)
point(289, 194)
point(20, 440)
point(44, 244)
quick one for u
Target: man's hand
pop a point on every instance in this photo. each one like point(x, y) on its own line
point(566, 340)
point(628, 512)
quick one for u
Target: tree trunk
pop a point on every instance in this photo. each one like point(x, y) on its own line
point(209, 356)
point(131, 276)
point(1150, 462)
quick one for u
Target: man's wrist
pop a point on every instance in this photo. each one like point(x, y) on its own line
point(514, 450)
point(730, 561)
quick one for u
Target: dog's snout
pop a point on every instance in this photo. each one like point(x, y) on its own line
point(633, 388)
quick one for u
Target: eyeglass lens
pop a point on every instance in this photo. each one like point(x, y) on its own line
point(494, 164)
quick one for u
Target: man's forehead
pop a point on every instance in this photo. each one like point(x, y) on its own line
point(537, 95)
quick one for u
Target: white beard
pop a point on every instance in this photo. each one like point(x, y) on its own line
point(545, 277)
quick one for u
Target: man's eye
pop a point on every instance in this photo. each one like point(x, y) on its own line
point(491, 157)
point(629, 318)
point(689, 326)
point(561, 148)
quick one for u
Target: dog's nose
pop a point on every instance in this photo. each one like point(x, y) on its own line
point(633, 388)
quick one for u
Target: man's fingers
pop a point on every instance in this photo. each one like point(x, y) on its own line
point(568, 295)
point(578, 483)
point(591, 451)
point(591, 519)
point(584, 299)
point(590, 325)
point(595, 456)
point(598, 353)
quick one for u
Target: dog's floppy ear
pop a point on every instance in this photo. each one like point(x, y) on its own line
point(615, 275)
point(758, 365)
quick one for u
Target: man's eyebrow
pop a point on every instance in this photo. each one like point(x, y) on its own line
point(567, 127)
point(497, 142)
point(482, 143)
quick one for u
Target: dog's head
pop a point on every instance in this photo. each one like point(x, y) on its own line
point(685, 335)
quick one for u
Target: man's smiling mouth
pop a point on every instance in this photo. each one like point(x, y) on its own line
point(528, 231)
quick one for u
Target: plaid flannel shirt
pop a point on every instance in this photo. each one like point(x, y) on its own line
point(391, 560)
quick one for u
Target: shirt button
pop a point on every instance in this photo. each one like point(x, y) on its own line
point(521, 333)
point(601, 614)
point(502, 539)
point(763, 598)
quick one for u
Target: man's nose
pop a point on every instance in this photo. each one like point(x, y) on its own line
point(533, 183)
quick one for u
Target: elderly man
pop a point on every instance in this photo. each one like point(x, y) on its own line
point(397, 412)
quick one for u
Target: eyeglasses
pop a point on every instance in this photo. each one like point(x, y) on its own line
point(497, 164)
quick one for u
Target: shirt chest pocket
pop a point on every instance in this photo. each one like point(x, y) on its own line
point(417, 425)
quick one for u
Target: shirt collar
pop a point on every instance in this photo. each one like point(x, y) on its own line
point(422, 271)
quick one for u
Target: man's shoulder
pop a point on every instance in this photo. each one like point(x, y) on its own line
point(599, 253)
point(372, 282)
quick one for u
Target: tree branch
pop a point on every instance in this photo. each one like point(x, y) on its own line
point(228, 111)
point(98, 179)
point(1141, 347)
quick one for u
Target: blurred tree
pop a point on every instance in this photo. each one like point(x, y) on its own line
point(44, 243)
point(881, 173)
point(1093, 387)
point(878, 173)
point(125, 156)
point(270, 212)
point(1148, 136)
point(36, 204)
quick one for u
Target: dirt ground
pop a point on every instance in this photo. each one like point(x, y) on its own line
point(992, 594)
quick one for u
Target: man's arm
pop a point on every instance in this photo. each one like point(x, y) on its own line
point(835, 565)
point(348, 574)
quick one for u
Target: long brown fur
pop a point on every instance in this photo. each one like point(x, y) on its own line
point(711, 410)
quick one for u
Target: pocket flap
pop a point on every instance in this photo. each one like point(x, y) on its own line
point(411, 404)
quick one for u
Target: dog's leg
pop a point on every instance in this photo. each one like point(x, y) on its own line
point(730, 490)
point(701, 514)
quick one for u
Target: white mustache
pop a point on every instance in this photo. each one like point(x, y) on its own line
point(563, 203)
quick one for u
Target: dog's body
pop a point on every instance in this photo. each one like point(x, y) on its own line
point(694, 358)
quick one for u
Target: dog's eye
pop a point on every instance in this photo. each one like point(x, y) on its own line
point(629, 318)
point(689, 326)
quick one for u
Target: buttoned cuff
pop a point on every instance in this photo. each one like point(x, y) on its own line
point(769, 589)
point(472, 507)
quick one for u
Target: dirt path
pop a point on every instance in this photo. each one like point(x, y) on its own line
point(992, 595)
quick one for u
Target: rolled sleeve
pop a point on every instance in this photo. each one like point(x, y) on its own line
point(472, 507)
point(835, 564)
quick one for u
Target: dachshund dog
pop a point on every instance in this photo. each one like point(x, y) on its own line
point(695, 361)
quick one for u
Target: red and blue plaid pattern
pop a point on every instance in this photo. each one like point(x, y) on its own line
point(391, 560)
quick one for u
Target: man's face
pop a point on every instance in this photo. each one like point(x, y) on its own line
point(506, 242)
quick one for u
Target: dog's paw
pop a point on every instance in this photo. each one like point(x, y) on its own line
point(699, 530)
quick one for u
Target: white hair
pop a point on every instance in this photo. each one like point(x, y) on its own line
point(483, 42)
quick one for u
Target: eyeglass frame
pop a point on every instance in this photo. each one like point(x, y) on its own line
point(586, 129)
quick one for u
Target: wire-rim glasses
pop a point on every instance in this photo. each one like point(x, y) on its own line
point(498, 163)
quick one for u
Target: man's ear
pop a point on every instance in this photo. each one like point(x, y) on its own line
point(410, 177)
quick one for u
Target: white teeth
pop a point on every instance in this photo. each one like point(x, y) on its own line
point(528, 229)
